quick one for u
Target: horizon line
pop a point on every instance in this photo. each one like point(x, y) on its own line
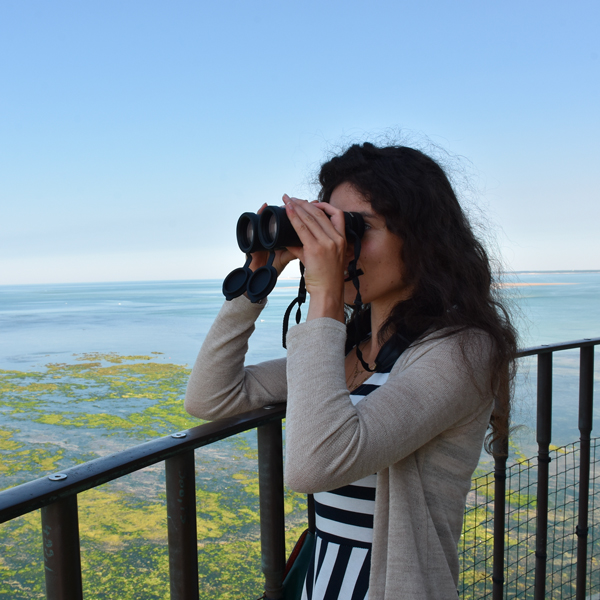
point(553, 271)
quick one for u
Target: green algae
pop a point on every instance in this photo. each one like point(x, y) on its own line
point(130, 396)
point(18, 458)
point(69, 413)
point(126, 557)
point(104, 402)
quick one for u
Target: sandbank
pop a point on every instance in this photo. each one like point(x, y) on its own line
point(532, 284)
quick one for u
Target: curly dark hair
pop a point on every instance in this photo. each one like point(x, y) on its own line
point(453, 283)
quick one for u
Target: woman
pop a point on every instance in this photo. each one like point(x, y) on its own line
point(390, 459)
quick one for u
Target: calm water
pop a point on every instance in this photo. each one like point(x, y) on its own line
point(50, 323)
point(43, 324)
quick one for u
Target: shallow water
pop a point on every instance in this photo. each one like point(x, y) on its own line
point(89, 369)
point(44, 324)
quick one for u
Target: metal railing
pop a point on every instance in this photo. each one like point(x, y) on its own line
point(543, 438)
point(56, 495)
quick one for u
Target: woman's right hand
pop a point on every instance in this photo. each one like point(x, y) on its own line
point(260, 258)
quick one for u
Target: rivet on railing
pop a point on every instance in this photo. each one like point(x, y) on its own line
point(57, 477)
point(180, 434)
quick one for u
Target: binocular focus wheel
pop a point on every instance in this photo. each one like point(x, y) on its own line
point(236, 282)
point(261, 283)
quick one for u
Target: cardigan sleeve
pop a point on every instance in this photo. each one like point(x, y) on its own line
point(431, 389)
point(220, 386)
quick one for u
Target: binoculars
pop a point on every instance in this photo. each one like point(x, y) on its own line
point(270, 231)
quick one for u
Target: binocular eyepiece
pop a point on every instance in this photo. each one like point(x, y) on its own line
point(270, 231)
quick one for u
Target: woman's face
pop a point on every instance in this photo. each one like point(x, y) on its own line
point(382, 282)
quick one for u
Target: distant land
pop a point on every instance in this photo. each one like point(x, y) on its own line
point(559, 272)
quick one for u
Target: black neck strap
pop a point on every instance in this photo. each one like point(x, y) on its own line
point(354, 275)
point(300, 300)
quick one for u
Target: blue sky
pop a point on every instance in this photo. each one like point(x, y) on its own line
point(135, 133)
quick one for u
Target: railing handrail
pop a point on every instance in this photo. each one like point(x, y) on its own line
point(35, 494)
point(545, 348)
point(29, 496)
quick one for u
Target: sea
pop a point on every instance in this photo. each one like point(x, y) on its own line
point(58, 323)
point(93, 368)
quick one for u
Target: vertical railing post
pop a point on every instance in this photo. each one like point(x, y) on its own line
point(500, 449)
point(544, 435)
point(62, 559)
point(180, 476)
point(272, 521)
point(586, 397)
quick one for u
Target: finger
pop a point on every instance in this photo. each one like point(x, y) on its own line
point(262, 208)
point(295, 252)
point(282, 258)
point(336, 216)
point(305, 225)
point(318, 222)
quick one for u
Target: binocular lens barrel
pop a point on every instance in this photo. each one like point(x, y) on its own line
point(275, 230)
point(247, 233)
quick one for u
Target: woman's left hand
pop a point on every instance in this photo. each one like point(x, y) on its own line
point(321, 230)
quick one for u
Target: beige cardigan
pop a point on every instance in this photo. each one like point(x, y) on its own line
point(421, 432)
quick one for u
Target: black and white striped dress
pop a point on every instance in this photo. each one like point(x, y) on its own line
point(341, 562)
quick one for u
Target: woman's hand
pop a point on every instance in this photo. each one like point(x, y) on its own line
point(260, 258)
point(321, 229)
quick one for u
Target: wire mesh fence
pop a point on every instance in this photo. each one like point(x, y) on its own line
point(476, 545)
